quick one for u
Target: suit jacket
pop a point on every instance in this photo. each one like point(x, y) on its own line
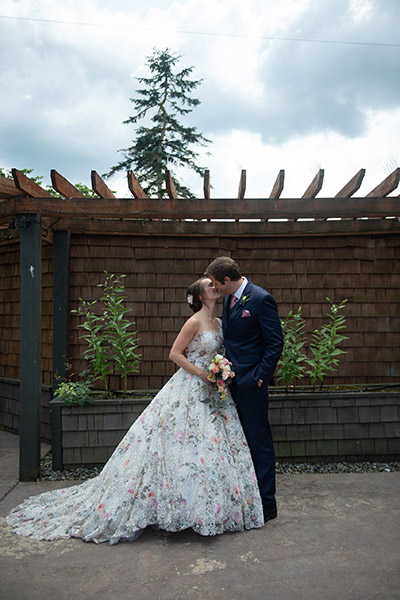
point(252, 336)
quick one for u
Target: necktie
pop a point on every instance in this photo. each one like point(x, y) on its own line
point(233, 301)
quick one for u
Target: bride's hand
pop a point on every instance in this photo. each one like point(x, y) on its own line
point(204, 376)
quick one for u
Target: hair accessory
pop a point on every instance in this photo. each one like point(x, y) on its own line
point(190, 299)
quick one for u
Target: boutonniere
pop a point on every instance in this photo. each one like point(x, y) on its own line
point(244, 300)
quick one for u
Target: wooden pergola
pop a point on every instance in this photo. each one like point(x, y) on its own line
point(31, 213)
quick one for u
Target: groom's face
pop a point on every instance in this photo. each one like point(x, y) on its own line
point(227, 287)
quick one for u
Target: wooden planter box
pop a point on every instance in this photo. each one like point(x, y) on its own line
point(307, 427)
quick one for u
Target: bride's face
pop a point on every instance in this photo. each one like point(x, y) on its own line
point(210, 292)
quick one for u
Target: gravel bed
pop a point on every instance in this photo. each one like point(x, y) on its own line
point(82, 473)
point(337, 467)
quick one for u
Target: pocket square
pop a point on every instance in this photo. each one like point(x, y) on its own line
point(246, 313)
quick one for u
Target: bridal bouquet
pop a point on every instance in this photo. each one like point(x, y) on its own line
point(221, 373)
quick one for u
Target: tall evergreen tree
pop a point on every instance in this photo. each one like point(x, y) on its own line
point(164, 96)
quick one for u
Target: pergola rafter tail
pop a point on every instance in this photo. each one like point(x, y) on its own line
point(74, 211)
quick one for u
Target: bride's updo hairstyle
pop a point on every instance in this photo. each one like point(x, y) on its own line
point(193, 293)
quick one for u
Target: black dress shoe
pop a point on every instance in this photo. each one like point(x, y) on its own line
point(268, 517)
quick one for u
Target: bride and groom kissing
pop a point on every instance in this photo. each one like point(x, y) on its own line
point(179, 466)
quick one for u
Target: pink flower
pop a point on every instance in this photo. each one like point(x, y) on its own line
point(202, 461)
point(217, 509)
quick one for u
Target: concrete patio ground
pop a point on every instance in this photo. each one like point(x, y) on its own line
point(336, 538)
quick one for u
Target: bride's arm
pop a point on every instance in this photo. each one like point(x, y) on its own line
point(186, 334)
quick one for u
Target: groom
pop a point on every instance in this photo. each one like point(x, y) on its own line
point(253, 342)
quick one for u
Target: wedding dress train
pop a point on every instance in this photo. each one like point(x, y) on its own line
point(176, 468)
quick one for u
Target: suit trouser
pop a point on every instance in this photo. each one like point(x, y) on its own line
point(252, 406)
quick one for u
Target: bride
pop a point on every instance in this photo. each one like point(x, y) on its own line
point(178, 466)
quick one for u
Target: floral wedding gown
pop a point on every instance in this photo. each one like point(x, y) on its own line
point(176, 468)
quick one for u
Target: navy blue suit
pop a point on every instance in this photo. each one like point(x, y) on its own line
point(253, 342)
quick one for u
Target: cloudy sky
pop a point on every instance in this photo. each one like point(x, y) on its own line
point(287, 84)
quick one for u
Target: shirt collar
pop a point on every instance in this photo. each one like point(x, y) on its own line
point(239, 292)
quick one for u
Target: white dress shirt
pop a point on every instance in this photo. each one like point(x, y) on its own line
point(239, 292)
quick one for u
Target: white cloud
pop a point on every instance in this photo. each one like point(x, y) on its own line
point(268, 105)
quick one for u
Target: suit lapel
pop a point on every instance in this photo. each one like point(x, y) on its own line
point(231, 314)
point(225, 313)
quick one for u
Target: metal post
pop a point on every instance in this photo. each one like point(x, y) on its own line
point(60, 334)
point(30, 346)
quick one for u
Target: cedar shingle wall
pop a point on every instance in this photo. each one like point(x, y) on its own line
point(9, 311)
point(297, 271)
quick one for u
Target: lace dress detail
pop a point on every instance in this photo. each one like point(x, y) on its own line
point(175, 469)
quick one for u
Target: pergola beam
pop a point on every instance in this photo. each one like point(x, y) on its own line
point(242, 185)
point(8, 189)
point(315, 186)
point(134, 185)
point(284, 208)
point(227, 228)
point(387, 185)
point(207, 184)
point(169, 182)
point(278, 185)
point(352, 186)
point(100, 187)
point(29, 187)
point(63, 186)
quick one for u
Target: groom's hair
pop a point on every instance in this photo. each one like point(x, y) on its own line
point(223, 266)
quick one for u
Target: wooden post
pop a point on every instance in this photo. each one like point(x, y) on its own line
point(30, 346)
point(60, 335)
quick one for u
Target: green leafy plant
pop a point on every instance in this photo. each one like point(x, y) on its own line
point(97, 353)
point(111, 347)
point(324, 344)
point(74, 392)
point(121, 344)
point(291, 366)
point(323, 347)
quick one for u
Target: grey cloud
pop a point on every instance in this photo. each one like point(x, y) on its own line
point(307, 88)
point(310, 87)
